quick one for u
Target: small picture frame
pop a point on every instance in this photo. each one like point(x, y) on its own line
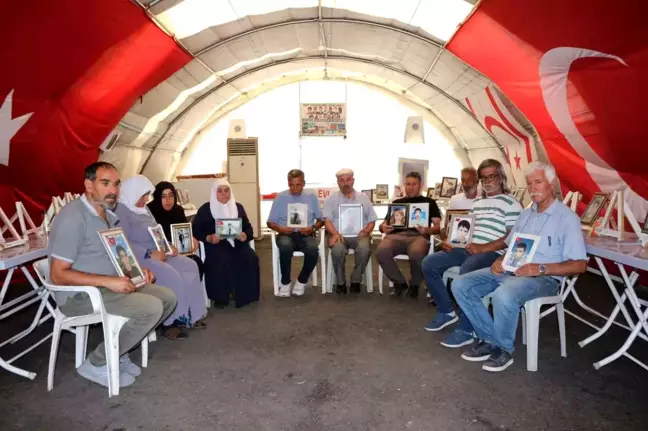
point(449, 215)
point(182, 237)
point(448, 187)
point(461, 230)
point(350, 219)
point(398, 192)
point(419, 215)
point(521, 250)
point(644, 227)
point(437, 190)
point(229, 228)
point(431, 192)
point(519, 193)
point(594, 208)
point(121, 255)
point(297, 215)
point(382, 193)
point(161, 243)
point(369, 194)
point(397, 215)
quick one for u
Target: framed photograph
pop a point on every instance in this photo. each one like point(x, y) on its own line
point(297, 215)
point(369, 194)
point(382, 193)
point(229, 228)
point(448, 187)
point(350, 219)
point(407, 166)
point(161, 242)
point(519, 193)
point(398, 192)
point(121, 255)
point(419, 215)
point(521, 251)
point(448, 217)
point(430, 192)
point(594, 208)
point(397, 215)
point(182, 237)
point(461, 230)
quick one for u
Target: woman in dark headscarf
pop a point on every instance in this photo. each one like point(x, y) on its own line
point(166, 211)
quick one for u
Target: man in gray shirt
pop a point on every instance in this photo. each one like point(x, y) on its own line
point(78, 258)
point(342, 238)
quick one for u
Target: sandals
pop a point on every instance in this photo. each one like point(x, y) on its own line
point(174, 333)
point(199, 325)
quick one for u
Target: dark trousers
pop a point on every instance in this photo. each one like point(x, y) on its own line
point(288, 244)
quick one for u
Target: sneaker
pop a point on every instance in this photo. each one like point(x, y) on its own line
point(499, 360)
point(355, 288)
point(127, 366)
point(99, 374)
point(299, 288)
point(479, 352)
point(340, 289)
point(457, 338)
point(440, 321)
point(412, 291)
point(284, 290)
point(397, 289)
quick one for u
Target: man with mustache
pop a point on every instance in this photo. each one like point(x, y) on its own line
point(495, 214)
point(339, 244)
point(78, 258)
point(561, 252)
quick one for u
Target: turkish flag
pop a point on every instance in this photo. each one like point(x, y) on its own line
point(577, 69)
point(71, 69)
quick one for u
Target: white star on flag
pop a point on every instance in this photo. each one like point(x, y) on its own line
point(9, 127)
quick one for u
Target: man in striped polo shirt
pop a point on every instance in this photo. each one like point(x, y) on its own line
point(495, 214)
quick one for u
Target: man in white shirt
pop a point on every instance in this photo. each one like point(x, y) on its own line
point(463, 201)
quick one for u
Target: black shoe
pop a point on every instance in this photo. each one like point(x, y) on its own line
point(398, 289)
point(499, 360)
point(479, 352)
point(412, 291)
point(355, 288)
point(340, 289)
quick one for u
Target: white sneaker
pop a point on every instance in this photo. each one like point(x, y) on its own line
point(284, 290)
point(99, 374)
point(299, 289)
point(127, 366)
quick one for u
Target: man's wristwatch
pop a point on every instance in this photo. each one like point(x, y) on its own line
point(543, 269)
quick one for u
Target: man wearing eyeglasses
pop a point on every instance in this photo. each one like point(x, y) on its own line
point(495, 214)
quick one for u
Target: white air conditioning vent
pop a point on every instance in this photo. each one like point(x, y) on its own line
point(110, 141)
point(241, 148)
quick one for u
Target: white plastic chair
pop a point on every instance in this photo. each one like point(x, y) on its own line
point(330, 274)
point(112, 324)
point(397, 257)
point(276, 268)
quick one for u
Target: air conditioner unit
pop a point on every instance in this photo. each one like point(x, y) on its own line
point(243, 175)
point(414, 131)
point(110, 141)
point(237, 129)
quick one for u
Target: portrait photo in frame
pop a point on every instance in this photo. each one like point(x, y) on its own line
point(521, 250)
point(431, 193)
point(448, 187)
point(297, 215)
point(369, 194)
point(229, 228)
point(419, 215)
point(121, 255)
point(182, 237)
point(461, 230)
point(350, 219)
point(398, 192)
point(161, 243)
point(382, 193)
point(397, 215)
point(448, 217)
point(594, 208)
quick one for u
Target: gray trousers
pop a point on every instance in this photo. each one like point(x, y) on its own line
point(146, 308)
point(362, 248)
point(411, 243)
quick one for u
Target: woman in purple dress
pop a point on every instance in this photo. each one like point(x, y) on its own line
point(178, 273)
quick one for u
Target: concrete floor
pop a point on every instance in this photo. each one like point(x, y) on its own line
point(326, 363)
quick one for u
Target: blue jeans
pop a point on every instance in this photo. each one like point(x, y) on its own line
point(511, 293)
point(436, 264)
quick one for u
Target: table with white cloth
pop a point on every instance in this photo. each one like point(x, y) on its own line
point(629, 257)
point(12, 259)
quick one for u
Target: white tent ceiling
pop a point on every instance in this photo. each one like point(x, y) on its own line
point(242, 48)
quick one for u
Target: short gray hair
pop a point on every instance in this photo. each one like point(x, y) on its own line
point(492, 163)
point(471, 170)
point(549, 170)
point(295, 173)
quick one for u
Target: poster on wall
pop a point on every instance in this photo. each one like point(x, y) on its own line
point(323, 119)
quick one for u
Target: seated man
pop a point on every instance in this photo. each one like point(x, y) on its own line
point(415, 242)
point(561, 253)
point(338, 243)
point(78, 258)
point(305, 211)
point(495, 213)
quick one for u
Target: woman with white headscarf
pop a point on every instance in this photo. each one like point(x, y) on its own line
point(231, 266)
point(178, 273)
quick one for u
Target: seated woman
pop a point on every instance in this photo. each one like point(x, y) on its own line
point(178, 273)
point(231, 266)
point(166, 211)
